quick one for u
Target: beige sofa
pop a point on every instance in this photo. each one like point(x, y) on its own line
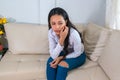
point(28, 53)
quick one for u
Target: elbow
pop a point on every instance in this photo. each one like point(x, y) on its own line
point(53, 56)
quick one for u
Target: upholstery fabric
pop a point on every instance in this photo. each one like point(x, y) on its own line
point(32, 67)
point(93, 73)
point(28, 53)
point(26, 39)
point(109, 60)
point(80, 27)
point(23, 67)
point(95, 38)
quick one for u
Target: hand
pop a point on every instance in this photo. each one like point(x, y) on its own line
point(63, 34)
point(56, 61)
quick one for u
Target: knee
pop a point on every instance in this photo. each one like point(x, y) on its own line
point(64, 64)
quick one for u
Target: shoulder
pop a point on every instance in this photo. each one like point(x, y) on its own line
point(74, 35)
point(51, 32)
point(74, 32)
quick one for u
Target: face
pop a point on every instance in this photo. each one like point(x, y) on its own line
point(57, 23)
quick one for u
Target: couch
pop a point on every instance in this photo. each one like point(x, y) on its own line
point(28, 53)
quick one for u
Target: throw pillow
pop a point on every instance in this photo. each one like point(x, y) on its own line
point(95, 38)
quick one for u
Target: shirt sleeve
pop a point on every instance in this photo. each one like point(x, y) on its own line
point(54, 47)
point(77, 45)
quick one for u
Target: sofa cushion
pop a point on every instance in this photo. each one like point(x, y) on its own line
point(110, 58)
point(95, 38)
point(27, 38)
point(88, 64)
point(8, 57)
point(93, 73)
point(23, 67)
point(80, 27)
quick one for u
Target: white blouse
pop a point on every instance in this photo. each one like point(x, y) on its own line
point(75, 44)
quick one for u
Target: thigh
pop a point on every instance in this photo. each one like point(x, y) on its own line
point(76, 62)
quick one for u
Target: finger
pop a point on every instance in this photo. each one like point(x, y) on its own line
point(66, 28)
point(53, 65)
point(53, 61)
point(63, 28)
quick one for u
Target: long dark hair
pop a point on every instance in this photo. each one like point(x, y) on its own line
point(63, 13)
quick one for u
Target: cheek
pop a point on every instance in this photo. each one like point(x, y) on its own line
point(61, 27)
point(53, 27)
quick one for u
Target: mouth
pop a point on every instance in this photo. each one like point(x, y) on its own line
point(57, 31)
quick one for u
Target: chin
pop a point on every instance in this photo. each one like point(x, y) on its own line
point(57, 33)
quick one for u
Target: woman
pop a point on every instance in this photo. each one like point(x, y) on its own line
point(65, 45)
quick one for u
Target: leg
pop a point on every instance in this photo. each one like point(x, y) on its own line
point(64, 64)
point(69, 64)
point(62, 70)
point(51, 72)
point(76, 62)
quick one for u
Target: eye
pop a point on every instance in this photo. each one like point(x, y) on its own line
point(53, 23)
point(60, 23)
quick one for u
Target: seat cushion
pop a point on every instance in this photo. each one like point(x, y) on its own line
point(88, 64)
point(23, 67)
point(15, 66)
point(92, 73)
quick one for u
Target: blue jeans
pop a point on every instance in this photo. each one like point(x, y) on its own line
point(60, 73)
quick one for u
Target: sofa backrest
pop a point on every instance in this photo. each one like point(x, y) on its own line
point(95, 38)
point(27, 38)
point(33, 38)
point(109, 60)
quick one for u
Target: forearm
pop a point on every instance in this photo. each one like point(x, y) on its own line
point(55, 52)
point(61, 41)
point(61, 57)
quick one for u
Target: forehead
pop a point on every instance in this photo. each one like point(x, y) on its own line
point(56, 18)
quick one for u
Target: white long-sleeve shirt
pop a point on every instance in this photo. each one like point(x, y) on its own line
point(75, 44)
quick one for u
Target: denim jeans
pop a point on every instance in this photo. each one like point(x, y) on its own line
point(60, 73)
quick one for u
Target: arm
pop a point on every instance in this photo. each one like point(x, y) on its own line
point(57, 47)
point(77, 45)
point(62, 36)
point(54, 47)
point(56, 61)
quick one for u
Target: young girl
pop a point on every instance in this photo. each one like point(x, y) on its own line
point(65, 45)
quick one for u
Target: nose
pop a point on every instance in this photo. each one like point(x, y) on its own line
point(57, 26)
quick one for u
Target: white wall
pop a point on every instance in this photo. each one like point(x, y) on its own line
point(45, 7)
point(84, 11)
point(36, 11)
point(22, 10)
